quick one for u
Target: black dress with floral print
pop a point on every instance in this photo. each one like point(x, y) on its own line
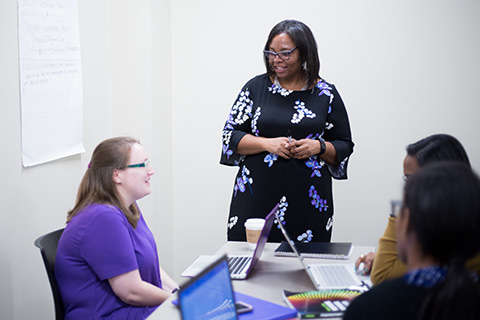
point(303, 187)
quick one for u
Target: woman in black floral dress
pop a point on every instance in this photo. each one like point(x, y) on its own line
point(288, 131)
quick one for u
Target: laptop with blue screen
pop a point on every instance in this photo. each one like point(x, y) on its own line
point(209, 295)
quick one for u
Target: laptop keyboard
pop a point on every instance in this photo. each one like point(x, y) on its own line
point(333, 275)
point(236, 264)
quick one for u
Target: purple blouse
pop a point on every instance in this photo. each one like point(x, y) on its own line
point(99, 243)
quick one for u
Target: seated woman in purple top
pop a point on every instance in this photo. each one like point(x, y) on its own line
point(107, 265)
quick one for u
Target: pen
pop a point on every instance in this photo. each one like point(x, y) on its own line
point(289, 135)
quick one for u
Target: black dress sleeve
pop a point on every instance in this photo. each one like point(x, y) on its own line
point(238, 124)
point(337, 132)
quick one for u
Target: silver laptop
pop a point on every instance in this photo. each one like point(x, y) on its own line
point(325, 276)
point(240, 266)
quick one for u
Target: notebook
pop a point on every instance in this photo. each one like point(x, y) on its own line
point(325, 276)
point(240, 266)
point(322, 250)
point(209, 295)
point(264, 310)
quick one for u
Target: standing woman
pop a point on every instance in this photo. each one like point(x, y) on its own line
point(288, 131)
point(107, 264)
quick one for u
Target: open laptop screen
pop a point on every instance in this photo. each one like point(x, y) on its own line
point(209, 295)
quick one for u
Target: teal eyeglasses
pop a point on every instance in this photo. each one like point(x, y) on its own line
point(145, 164)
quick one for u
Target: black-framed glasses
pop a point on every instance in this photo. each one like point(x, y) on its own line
point(397, 206)
point(145, 164)
point(284, 55)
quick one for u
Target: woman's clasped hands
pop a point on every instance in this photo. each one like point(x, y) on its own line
point(303, 149)
point(290, 148)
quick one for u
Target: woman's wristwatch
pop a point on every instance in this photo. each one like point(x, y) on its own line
point(323, 148)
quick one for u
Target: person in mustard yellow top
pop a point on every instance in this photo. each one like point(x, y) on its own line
point(385, 263)
point(436, 234)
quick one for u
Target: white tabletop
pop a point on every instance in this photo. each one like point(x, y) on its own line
point(269, 278)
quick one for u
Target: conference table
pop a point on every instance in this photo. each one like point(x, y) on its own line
point(270, 277)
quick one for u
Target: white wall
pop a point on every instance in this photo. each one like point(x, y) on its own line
point(167, 72)
point(126, 92)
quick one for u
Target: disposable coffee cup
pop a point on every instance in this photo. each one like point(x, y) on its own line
point(253, 228)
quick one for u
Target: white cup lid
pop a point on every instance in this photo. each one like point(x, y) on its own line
point(255, 223)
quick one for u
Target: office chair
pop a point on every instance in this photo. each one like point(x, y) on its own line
point(48, 244)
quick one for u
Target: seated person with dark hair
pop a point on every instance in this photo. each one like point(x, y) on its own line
point(385, 263)
point(437, 232)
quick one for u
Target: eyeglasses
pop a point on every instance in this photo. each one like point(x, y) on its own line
point(284, 55)
point(397, 207)
point(145, 164)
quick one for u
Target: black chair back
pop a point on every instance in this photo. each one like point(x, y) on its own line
point(48, 244)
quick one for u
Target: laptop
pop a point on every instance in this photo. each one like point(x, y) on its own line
point(209, 295)
point(241, 266)
point(325, 276)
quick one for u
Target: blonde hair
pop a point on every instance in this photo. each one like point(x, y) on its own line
point(97, 185)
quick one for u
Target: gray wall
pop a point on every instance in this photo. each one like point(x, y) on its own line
point(167, 72)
